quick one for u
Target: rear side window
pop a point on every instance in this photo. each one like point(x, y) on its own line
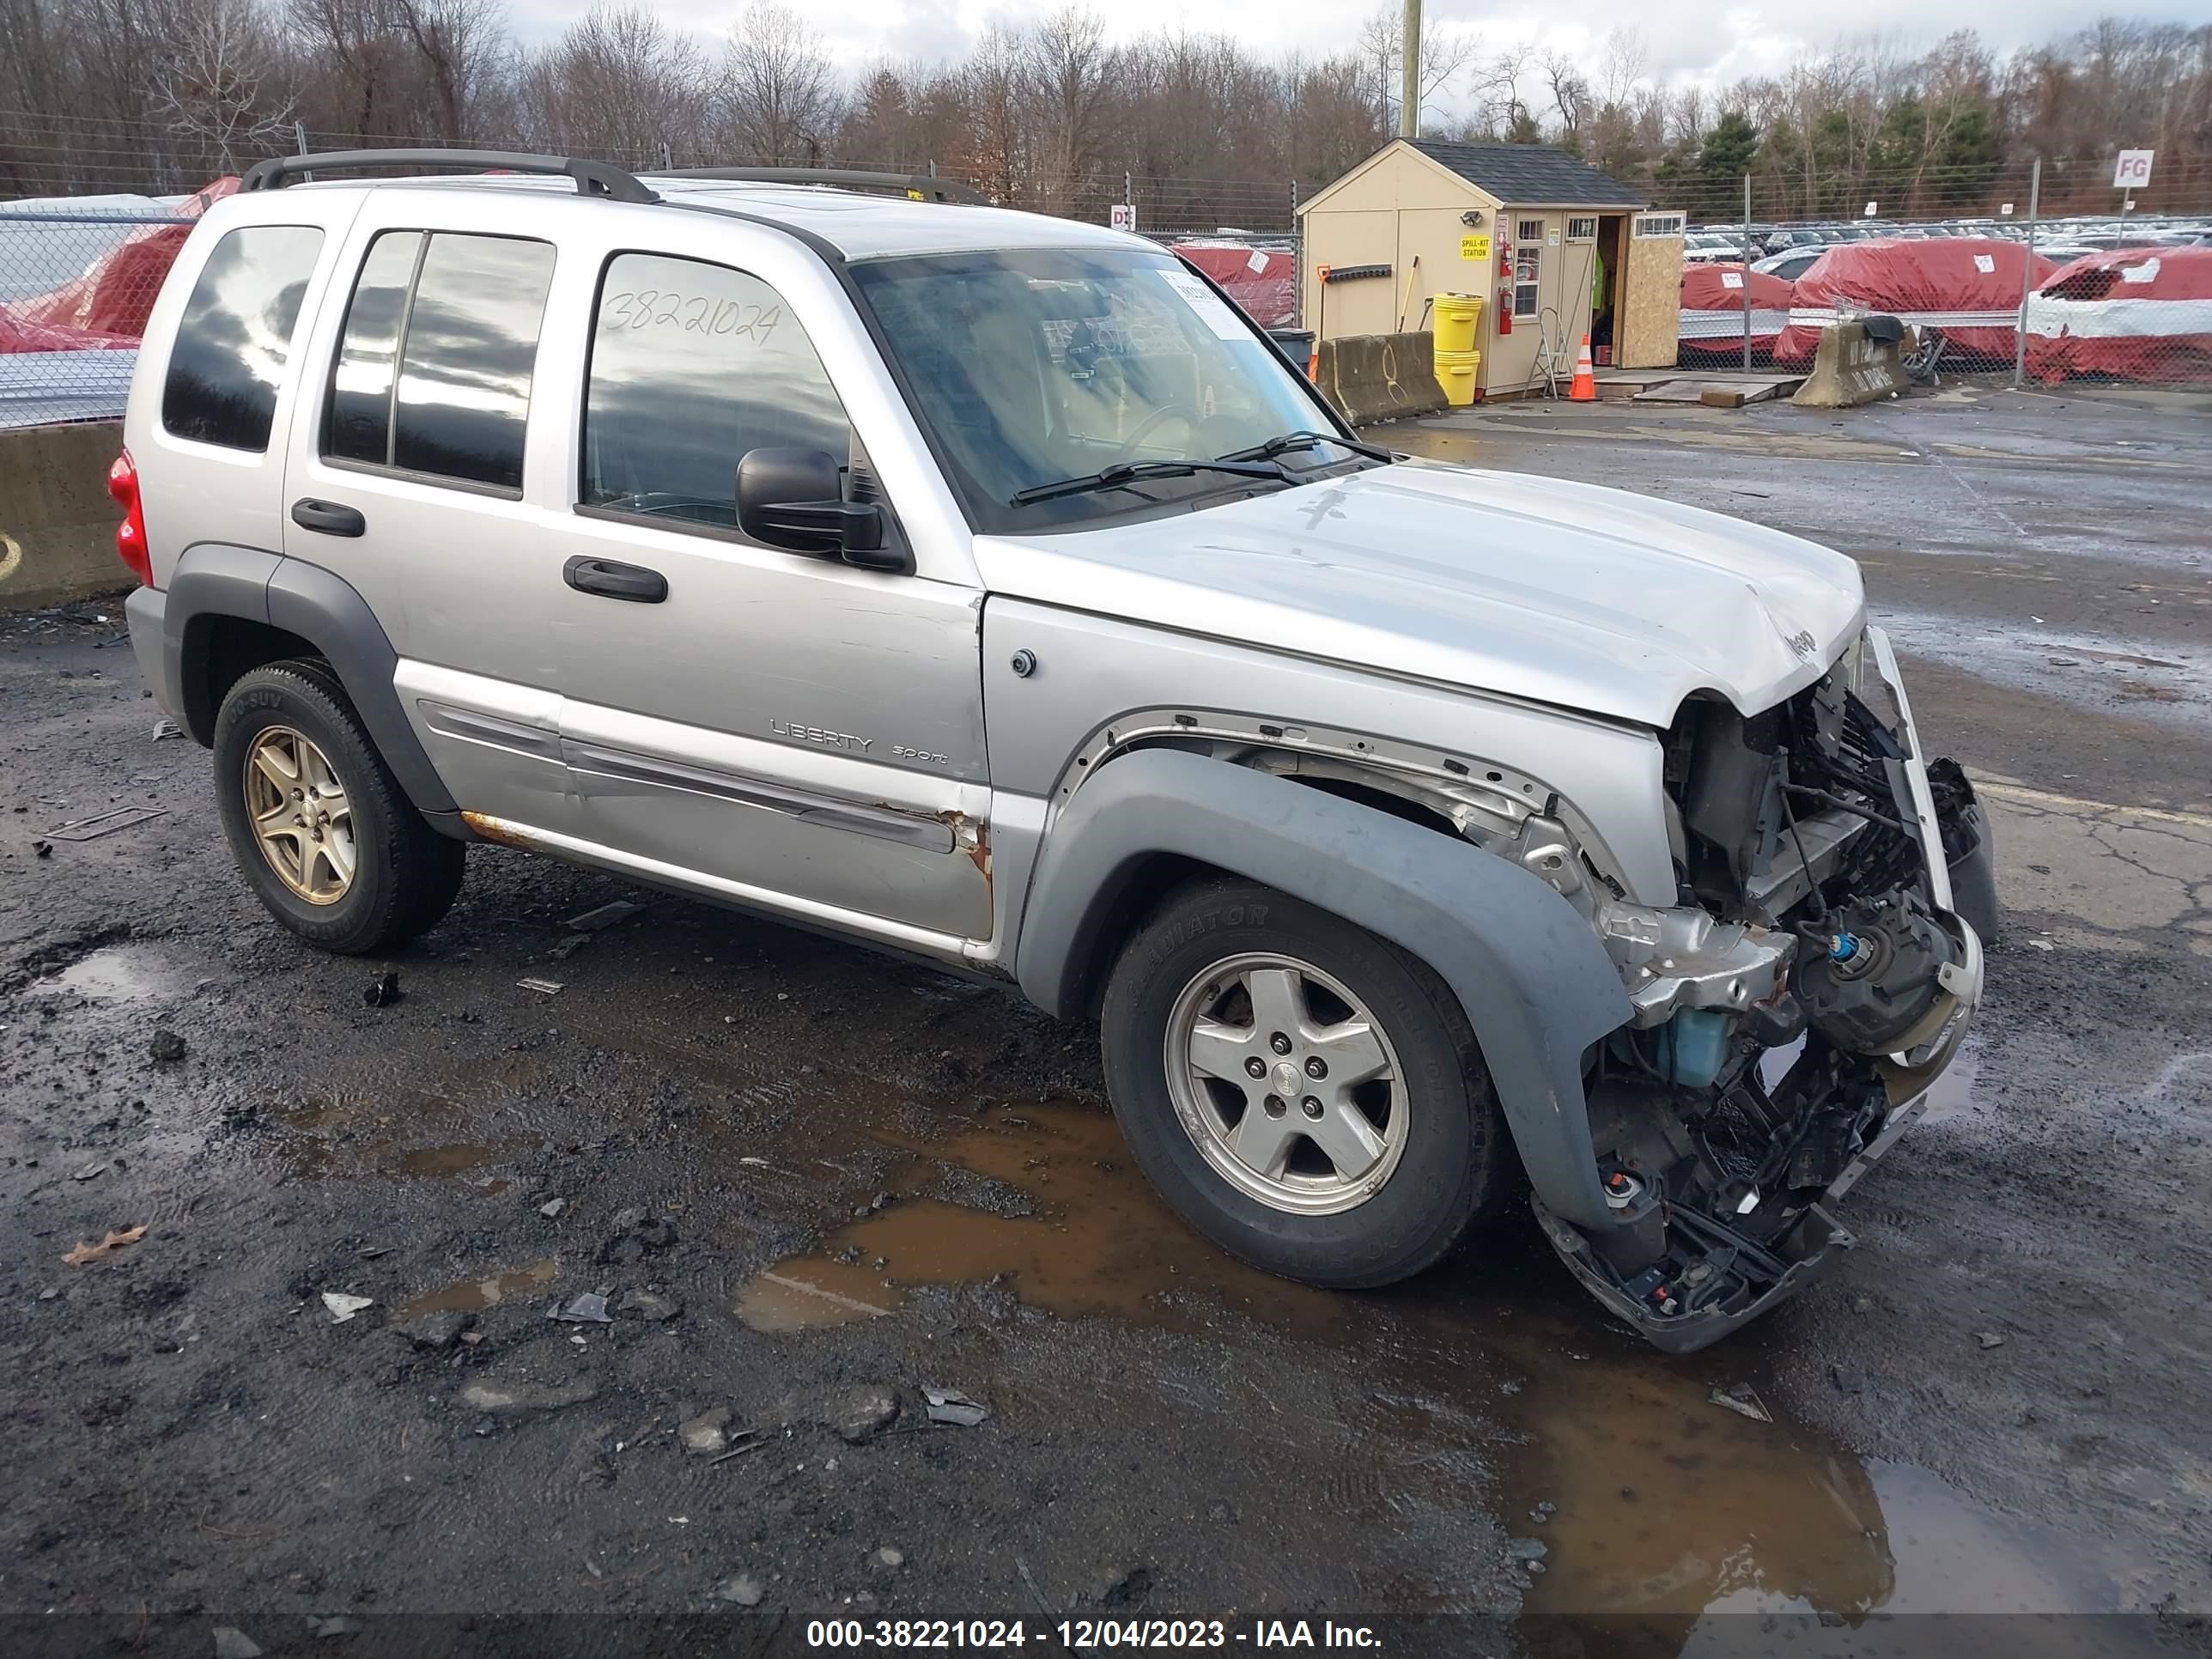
point(433, 373)
point(235, 340)
point(692, 365)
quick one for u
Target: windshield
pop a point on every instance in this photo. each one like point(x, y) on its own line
point(1030, 368)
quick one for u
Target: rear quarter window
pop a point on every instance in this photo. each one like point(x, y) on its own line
point(234, 344)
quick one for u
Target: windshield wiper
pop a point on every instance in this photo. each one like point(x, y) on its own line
point(1129, 472)
point(1292, 440)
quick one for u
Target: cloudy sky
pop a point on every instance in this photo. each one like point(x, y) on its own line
point(1682, 40)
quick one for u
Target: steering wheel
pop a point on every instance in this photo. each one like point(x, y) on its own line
point(1166, 411)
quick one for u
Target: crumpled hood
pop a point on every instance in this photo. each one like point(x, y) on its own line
point(1563, 593)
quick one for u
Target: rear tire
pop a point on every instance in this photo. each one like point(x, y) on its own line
point(1387, 1152)
point(321, 830)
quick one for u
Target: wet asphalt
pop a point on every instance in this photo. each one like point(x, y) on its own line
point(811, 1185)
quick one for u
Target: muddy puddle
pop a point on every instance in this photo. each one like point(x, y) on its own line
point(1653, 1504)
point(117, 973)
point(1089, 1238)
point(475, 1295)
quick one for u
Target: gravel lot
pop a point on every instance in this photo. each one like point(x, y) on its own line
point(811, 1184)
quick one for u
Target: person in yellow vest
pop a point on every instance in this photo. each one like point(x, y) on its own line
point(1600, 302)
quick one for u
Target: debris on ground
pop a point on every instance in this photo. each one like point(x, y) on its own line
point(383, 991)
point(166, 1046)
point(438, 1331)
point(42, 850)
point(606, 915)
point(706, 1434)
point(552, 1207)
point(1847, 1377)
point(333, 1624)
point(105, 823)
point(1743, 1401)
point(518, 1398)
point(1544, 1511)
point(744, 1589)
point(89, 1172)
point(568, 947)
point(166, 729)
point(857, 1413)
point(343, 1307)
point(637, 1236)
point(1526, 1549)
point(950, 1406)
point(586, 1307)
point(1989, 1338)
point(649, 1304)
point(551, 988)
point(114, 1240)
point(232, 1643)
point(891, 1557)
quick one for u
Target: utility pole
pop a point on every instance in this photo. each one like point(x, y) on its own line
point(1409, 72)
point(2027, 275)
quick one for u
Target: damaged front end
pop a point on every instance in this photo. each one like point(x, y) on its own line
point(1790, 1012)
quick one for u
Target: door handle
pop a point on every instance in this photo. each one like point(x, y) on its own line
point(329, 517)
point(612, 580)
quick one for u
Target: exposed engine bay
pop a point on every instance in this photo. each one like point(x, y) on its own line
point(1790, 1013)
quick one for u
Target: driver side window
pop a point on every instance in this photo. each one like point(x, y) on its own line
point(692, 365)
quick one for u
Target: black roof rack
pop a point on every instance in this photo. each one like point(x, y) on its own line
point(592, 178)
point(915, 186)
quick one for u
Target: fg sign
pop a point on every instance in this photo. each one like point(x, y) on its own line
point(1123, 217)
point(2132, 170)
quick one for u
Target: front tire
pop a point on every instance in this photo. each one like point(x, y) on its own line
point(1304, 1094)
point(321, 830)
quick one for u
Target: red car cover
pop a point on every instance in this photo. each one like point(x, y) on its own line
point(118, 290)
point(18, 335)
point(1969, 286)
point(2142, 315)
point(1264, 281)
point(1712, 311)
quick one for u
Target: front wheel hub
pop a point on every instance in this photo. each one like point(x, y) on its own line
point(1254, 1034)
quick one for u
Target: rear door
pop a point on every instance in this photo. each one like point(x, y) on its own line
point(406, 475)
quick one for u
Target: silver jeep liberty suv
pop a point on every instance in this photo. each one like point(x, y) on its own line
point(987, 588)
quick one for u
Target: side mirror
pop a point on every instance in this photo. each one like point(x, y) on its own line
point(794, 498)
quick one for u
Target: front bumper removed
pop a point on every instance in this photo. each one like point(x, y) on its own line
point(1754, 1275)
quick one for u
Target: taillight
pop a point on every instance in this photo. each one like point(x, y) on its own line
point(131, 535)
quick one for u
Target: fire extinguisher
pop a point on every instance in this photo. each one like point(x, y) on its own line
point(1504, 307)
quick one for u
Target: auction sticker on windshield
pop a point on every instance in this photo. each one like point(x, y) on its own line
point(1209, 306)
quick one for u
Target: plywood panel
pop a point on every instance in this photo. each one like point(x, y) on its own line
point(1651, 312)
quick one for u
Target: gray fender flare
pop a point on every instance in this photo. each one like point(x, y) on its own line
point(1536, 985)
point(213, 581)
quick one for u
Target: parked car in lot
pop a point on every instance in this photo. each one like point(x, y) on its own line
point(1791, 264)
point(984, 587)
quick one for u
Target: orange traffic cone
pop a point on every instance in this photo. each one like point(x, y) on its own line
point(1584, 389)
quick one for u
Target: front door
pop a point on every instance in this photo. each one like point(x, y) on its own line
point(782, 727)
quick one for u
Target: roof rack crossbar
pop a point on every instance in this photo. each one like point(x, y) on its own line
point(918, 186)
point(592, 178)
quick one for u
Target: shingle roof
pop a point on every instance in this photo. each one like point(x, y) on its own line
point(1536, 174)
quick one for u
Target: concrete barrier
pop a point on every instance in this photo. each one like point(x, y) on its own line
point(1852, 366)
point(1381, 377)
point(56, 523)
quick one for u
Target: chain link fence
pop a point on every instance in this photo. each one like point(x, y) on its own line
point(76, 283)
point(2038, 275)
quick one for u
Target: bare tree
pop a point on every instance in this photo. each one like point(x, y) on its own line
point(779, 93)
point(216, 81)
point(619, 82)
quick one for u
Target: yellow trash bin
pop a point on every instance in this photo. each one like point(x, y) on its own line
point(1456, 373)
point(1456, 315)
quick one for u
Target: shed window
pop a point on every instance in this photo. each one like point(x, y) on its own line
point(1529, 230)
point(1528, 274)
point(1658, 224)
point(1582, 230)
